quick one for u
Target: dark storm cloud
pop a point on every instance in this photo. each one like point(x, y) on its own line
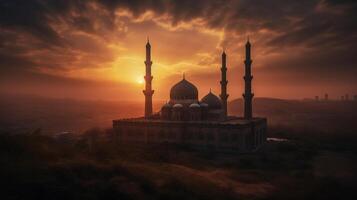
point(30, 40)
point(326, 28)
point(320, 28)
point(7, 61)
point(327, 24)
point(32, 16)
point(242, 15)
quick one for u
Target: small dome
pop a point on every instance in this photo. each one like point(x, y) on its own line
point(183, 90)
point(212, 100)
point(178, 106)
point(167, 105)
point(195, 105)
point(203, 105)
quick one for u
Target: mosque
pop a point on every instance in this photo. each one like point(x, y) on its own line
point(200, 124)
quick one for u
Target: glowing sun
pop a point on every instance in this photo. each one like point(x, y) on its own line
point(140, 81)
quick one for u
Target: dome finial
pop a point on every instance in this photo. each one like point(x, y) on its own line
point(183, 90)
point(210, 90)
point(183, 76)
point(212, 101)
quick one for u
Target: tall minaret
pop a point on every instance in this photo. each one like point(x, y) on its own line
point(148, 92)
point(248, 95)
point(224, 82)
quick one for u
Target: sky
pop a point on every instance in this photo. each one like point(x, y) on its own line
point(95, 49)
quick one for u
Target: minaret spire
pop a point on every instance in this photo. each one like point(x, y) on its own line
point(148, 92)
point(248, 95)
point(224, 82)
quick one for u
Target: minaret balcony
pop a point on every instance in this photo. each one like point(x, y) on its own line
point(148, 78)
point(224, 97)
point(148, 62)
point(248, 61)
point(224, 82)
point(248, 78)
point(148, 92)
point(248, 95)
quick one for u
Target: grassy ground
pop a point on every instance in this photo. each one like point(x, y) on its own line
point(35, 166)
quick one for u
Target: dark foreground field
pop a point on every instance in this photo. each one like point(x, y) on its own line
point(34, 166)
point(318, 160)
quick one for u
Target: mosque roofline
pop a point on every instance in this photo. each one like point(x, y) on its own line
point(233, 121)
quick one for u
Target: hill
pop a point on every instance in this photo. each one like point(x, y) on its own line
point(25, 112)
point(306, 118)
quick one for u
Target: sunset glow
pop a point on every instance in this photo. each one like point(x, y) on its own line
point(178, 99)
point(140, 81)
point(103, 44)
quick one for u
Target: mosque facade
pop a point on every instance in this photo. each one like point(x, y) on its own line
point(199, 123)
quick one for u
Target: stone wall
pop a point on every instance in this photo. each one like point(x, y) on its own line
point(201, 135)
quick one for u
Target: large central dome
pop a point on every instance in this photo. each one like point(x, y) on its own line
point(184, 90)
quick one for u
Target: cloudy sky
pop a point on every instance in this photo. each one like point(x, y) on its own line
point(95, 49)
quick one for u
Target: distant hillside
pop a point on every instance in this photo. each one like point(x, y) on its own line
point(281, 106)
point(19, 113)
point(263, 105)
point(26, 112)
point(318, 114)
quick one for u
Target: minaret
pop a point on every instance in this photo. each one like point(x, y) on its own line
point(224, 82)
point(248, 95)
point(148, 92)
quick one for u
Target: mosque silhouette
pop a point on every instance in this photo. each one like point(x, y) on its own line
point(200, 124)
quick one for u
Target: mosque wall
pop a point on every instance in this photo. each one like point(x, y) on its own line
point(213, 136)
